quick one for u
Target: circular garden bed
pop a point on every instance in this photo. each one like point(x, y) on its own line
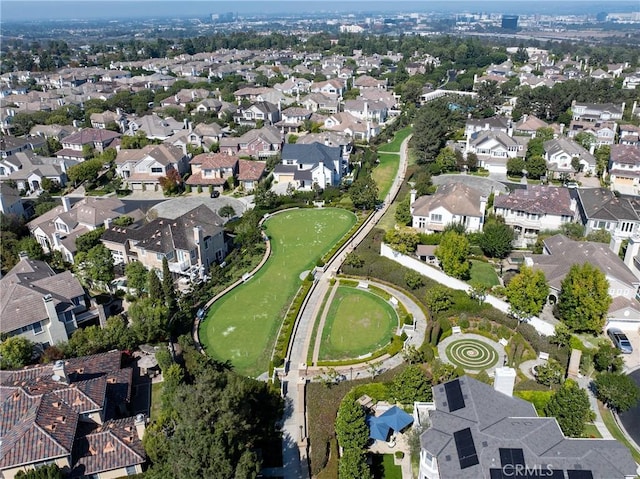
point(471, 354)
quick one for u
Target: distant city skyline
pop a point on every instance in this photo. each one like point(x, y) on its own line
point(25, 10)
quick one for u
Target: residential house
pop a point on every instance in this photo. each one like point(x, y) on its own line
point(495, 148)
point(334, 87)
point(92, 138)
point(330, 138)
point(293, 86)
point(106, 118)
point(599, 208)
point(306, 165)
point(350, 125)
point(250, 173)
point(536, 208)
point(624, 169)
point(259, 143)
point(474, 430)
point(57, 229)
point(28, 170)
point(604, 132)
point(364, 82)
point(53, 131)
point(155, 127)
point(203, 136)
point(10, 145)
point(43, 306)
point(320, 102)
point(142, 168)
point(560, 153)
point(191, 243)
point(561, 253)
point(529, 125)
point(451, 203)
point(293, 119)
point(629, 135)
point(631, 81)
point(494, 124)
point(11, 201)
point(374, 111)
point(261, 111)
point(596, 111)
point(213, 169)
point(71, 413)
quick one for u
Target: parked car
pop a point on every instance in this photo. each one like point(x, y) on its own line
point(620, 340)
point(215, 194)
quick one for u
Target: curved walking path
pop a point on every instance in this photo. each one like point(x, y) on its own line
point(294, 429)
point(442, 350)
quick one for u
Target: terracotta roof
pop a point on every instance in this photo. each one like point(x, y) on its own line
point(214, 161)
point(251, 170)
point(456, 198)
point(627, 154)
point(91, 135)
point(549, 200)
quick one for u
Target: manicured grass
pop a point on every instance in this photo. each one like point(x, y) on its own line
point(590, 430)
point(394, 145)
point(484, 273)
point(615, 431)
point(385, 172)
point(384, 468)
point(358, 322)
point(156, 399)
point(242, 326)
point(539, 399)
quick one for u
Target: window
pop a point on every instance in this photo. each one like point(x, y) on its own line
point(159, 256)
point(436, 218)
point(131, 471)
point(37, 328)
point(156, 169)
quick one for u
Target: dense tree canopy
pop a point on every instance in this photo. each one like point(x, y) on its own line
point(618, 391)
point(351, 429)
point(496, 239)
point(584, 299)
point(411, 385)
point(527, 292)
point(15, 352)
point(570, 406)
point(453, 252)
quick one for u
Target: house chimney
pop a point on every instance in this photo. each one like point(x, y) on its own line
point(66, 204)
point(23, 255)
point(574, 205)
point(59, 373)
point(141, 425)
point(107, 223)
point(592, 149)
point(505, 379)
point(633, 250)
point(412, 199)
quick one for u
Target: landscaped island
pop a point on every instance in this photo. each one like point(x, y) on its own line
point(242, 326)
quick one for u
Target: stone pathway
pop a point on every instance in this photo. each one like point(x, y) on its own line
point(323, 320)
point(585, 383)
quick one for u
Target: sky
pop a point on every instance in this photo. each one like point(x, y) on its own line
point(12, 10)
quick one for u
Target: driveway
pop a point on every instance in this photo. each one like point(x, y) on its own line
point(631, 418)
point(632, 361)
point(178, 206)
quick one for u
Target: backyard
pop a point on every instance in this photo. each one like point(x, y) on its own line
point(484, 273)
point(358, 322)
point(242, 326)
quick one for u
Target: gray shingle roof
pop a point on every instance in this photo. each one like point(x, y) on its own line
point(310, 154)
point(456, 198)
point(537, 199)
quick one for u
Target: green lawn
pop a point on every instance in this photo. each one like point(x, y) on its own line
point(394, 145)
point(484, 273)
point(539, 399)
point(358, 322)
point(242, 326)
point(590, 430)
point(383, 467)
point(615, 431)
point(156, 400)
point(385, 172)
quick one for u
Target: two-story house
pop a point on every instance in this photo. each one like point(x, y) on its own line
point(142, 168)
point(599, 208)
point(57, 229)
point(364, 82)
point(334, 87)
point(106, 118)
point(155, 127)
point(624, 169)
point(43, 306)
point(306, 165)
point(321, 102)
point(604, 132)
point(204, 135)
point(629, 135)
point(451, 203)
point(11, 201)
point(28, 170)
point(596, 111)
point(10, 145)
point(495, 148)
point(96, 139)
point(534, 209)
point(191, 242)
point(293, 118)
point(559, 154)
point(72, 413)
point(261, 111)
point(213, 169)
point(258, 143)
point(374, 111)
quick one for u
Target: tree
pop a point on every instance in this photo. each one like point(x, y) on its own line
point(85, 171)
point(570, 406)
point(154, 286)
point(422, 183)
point(413, 279)
point(50, 471)
point(561, 335)
point(171, 182)
point(136, 275)
point(496, 239)
point(607, 358)
point(95, 266)
point(364, 192)
point(351, 429)
point(575, 231)
point(549, 373)
point(354, 260)
point(599, 236)
point(536, 167)
point(353, 465)
point(438, 298)
point(15, 352)
point(527, 292)
point(403, 240)
point(453, 252)
point(584, 299)
point(227, 211)
point(618, 391)
point(149, 320)
point(88, 240)
point(515, 166)
point(585, 139)
point(403, 212)
point(411, 385)
point(446, 160)
point(168, 289)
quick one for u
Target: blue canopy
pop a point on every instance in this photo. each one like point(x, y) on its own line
point(378, 429)
point(396, 418)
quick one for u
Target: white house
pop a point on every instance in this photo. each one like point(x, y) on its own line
point(559, 154)
point(624, 169)
point(305, 165)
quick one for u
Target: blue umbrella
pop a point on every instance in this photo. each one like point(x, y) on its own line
point(396, 419)
point(377, 429)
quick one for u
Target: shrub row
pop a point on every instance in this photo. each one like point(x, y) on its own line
point(361, 219)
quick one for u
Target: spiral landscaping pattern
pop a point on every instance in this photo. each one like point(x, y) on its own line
point(471, 354)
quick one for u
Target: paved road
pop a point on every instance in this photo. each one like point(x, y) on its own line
point(294, 441)
point(631, 419)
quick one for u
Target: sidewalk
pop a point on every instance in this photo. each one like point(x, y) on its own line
point(585, 383)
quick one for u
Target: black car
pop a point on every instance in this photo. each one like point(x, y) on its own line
point(215, 194)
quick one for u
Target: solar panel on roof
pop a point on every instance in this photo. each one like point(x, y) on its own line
point(509, 456)
point(454, 395)
point(579, 474)
point(466, 448)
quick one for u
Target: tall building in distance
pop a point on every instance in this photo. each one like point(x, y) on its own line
point(510, 22)
point(228, 17)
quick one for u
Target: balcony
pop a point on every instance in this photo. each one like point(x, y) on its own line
point(179, 267)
